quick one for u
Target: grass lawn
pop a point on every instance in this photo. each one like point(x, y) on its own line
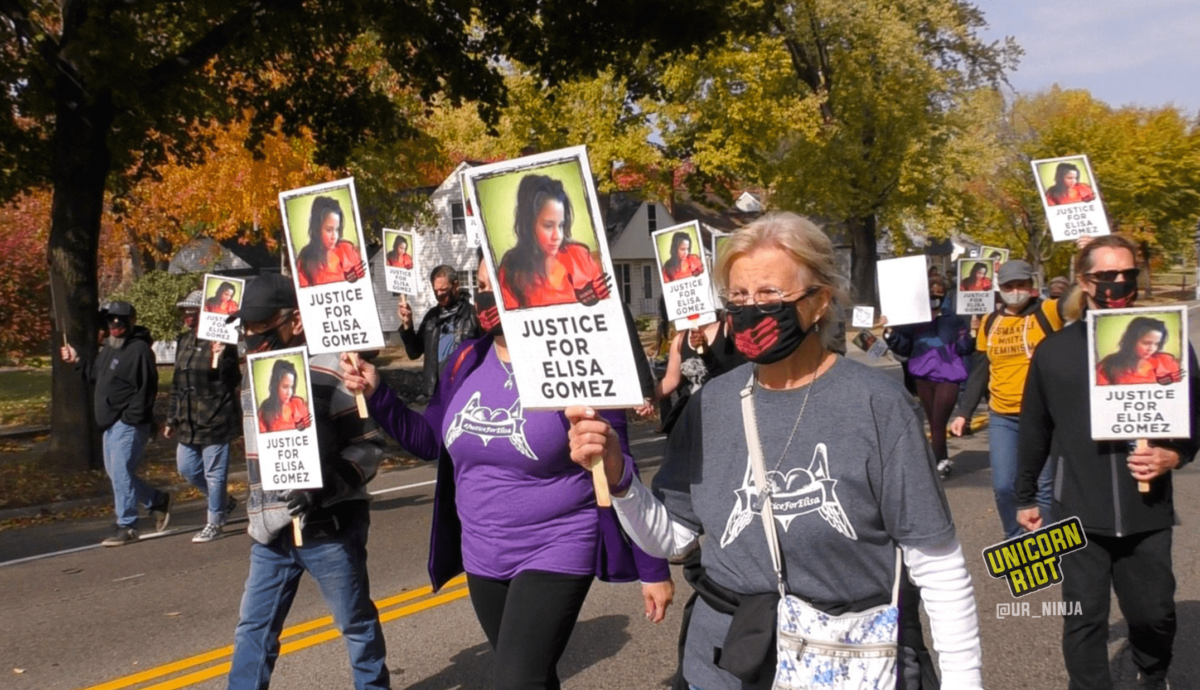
point(25, 395)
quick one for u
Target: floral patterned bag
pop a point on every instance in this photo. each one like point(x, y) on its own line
point(853, 651)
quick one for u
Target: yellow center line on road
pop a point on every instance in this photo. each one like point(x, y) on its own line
point(448, 594)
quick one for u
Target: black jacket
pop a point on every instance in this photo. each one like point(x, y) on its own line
point(205, 408)
point(1093, 480)
point(424, 341)
point(126, 380)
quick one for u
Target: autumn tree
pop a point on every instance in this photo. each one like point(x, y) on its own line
point(840, 108)
point(99, 94)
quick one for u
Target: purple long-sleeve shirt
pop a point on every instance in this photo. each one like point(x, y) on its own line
point(509, 499)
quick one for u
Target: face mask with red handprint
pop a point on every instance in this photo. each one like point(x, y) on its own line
point(767, 338)
point(489, 315)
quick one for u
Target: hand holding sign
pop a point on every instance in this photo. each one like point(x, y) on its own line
point(361, 378)
point(1147, 463)
point(595, 446)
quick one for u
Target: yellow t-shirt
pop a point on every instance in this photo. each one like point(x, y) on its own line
point(1009, 345)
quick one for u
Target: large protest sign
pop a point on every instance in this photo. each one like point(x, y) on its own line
point(863, 316)
point(400, 265)
point(1071, 197)
point(903, 290)
point(1139, 388)
point(222, 296)
point(686, 281)
point(286, 438)
point(976, 286)
point(328, 254)
point(546, 254)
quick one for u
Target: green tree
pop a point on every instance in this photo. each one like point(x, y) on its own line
point(872, 100)
point(96, 95)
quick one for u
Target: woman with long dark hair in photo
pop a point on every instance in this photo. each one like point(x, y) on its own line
point(682, 262)
point(1139, 357)
point(222, 302)
point(283, 410)
point(1067, 188)
point(399, 256)
point(327, 258)
point(547, 266)
point(977, 280)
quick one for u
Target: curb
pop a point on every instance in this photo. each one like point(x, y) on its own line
point(64, 506)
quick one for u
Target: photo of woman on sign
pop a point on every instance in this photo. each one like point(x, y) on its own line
point(1067, 188)
point(977, 279)
point(546, 266)
point(282, 410)
point(399, 256)
point(327, 258)
point(222, 302)
point(1139, 357)
point(682, 263)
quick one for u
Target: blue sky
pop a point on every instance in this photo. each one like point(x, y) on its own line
point(1140, 52)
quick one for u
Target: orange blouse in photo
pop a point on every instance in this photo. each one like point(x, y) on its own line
point(1157, 368)
point(1078, 194)
point(687, 268)
point(343, 257)
point(573, 269)
point(294, 410)
point(402, 261)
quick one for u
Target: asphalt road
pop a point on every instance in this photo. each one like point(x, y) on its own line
point(160, 614)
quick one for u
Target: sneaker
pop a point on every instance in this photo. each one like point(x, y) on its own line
point(121, 536)
point(1152, 683)
point(210, 532)
point(161, 510)
point(944, 467)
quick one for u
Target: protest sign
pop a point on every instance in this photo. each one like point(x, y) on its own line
point(400, 265)
point(998, 255)
point(868, 343)
point(286, 438)
point(325, 242)
point(863, 317)
point(474, 230)
point(686, 281)
point(222, 296)
point(695, 321)
point(545, 251)
point(976, 286)
point(1139, 388)
point(903, 290)
point(1071, 197)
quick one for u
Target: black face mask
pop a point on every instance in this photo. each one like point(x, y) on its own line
point(489, 315)
point(265, 341)
point(1114, 295)
point(767, 338)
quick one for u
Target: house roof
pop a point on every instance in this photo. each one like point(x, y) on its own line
point(206, 255)
point(622, 207)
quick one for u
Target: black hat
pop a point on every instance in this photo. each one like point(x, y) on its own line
point(124, 309)
point(264, 297)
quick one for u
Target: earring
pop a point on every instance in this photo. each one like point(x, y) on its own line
point(817, 327)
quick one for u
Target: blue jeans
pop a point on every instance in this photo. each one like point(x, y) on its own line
point(123, 446)
point(339, 565)
point(206, 468)
point(1002, 446)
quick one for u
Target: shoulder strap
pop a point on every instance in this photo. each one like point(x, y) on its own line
point(1043, 320)
point(990, 321)
point(762, 495)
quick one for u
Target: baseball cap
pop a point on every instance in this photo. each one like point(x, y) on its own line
point(264, 296)
point(1016, 269)
point(192, 301)
point(124, 309)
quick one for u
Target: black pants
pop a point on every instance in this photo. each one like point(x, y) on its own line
point(528, 621)
point(937, 398)
point(1138, 568)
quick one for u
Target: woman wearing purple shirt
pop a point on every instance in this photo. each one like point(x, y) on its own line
point(511, 509)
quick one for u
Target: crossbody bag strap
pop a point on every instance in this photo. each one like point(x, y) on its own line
point(760, 481)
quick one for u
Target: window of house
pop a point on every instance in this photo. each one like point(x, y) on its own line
point(624, 282)
point(468, 280)
point(652, 216)
point(647, 281)
point(458, 219)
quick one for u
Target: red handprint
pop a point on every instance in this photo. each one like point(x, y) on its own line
point(594, 290)
point(304, 422)
point(489, 318)
point(358, 270)
point(757, 340)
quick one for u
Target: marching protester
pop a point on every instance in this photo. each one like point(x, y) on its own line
point(126, 382)
point(510, 508)
point(1007, 338)
point(938, 353)
point(335, 518)
point(205, 414)
point(1128, 533)
point(444, 328)
point(815, 421)
point(697, 355)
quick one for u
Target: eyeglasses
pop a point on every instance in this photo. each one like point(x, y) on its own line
point(768, 301)
point(1130, 275)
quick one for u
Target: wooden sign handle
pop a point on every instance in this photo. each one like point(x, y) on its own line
point(359, 399)
point(297, 537)
point(1143, 444)
point(600, 483)
point(216, 358)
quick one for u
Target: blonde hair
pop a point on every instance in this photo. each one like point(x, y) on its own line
point(800, 238)
point(1076, 300)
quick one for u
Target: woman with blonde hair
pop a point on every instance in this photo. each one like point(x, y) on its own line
point(845, 469)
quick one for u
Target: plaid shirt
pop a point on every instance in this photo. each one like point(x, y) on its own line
point(204, 407)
